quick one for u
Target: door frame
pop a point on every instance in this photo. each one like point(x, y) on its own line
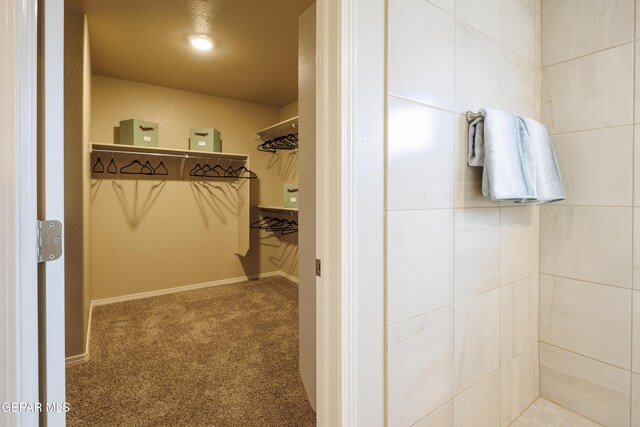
point(350, 112)
point(51, 206)
point(18, 210)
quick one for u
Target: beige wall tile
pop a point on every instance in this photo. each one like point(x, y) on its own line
point(636, 163)
point(636, 248)
point(479, 405)
point(419, 156)
point(637, 20)
point(476, 339)
point(568, 107)
point(590, 319)
point(538, 60)
point(636, 332)
point(597, 166)
point(468, 180)
point(420, 262)
point(441, 417)
point(517, 385)
point(477, 69)
point(518, 84)
point(483, 15)
point(420, 366)
point(518, 240)
point(637, 84)
point(594, 389)
point(518, 318)
point(574, 28)
point(519, 27)
point(587, 243)
point(477, 251)
point(635, 400)
point(419, 32)
point(536, 370)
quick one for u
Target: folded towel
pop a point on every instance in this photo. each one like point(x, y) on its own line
point(517, 156)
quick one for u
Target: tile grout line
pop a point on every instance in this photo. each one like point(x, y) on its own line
point(462, 300)
point(588, 54)
point(593, 359)
point(633, 201)
point(586, 281)
point(571, 132)
point(453, 311)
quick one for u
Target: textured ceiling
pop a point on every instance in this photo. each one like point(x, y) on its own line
point(255, 57)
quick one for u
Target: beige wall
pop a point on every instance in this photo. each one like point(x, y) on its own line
point(589, 288)
point(289, 111)
point(149, 236)
point(307, 121)
point(462, 279)
point(77, 237)
point(86, 193)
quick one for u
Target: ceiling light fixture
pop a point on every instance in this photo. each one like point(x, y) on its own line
point(201, 42)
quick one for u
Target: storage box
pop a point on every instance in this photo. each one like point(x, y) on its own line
point(205, 139)
point(291, 195)
point(138, 132)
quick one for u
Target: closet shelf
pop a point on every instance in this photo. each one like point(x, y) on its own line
point(277, 129)
point(277, 209)
point(166, 152)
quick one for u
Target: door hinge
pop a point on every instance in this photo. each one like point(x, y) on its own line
point(49, 240)
point(318, 268)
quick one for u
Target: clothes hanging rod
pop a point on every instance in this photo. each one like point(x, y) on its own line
point(165, 152)
point(180, 156)
point(471, 116)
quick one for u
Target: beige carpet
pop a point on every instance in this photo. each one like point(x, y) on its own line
point(222, 356)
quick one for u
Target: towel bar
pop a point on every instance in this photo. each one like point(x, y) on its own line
point(471, 116)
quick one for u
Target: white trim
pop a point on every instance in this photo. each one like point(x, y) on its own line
point(79, 358)
point(18, 206)
point(177, 289)
point(289, 277)
point(363, 259)
point(350, 133)
point(51, 108)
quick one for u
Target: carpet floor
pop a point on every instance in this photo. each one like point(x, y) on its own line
point(220, 356)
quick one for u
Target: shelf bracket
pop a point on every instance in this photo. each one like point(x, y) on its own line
point(182, 161)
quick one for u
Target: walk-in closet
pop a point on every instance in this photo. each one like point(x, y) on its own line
point(190, 212)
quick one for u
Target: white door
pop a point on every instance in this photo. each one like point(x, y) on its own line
point(31, 334)
point(51, 207)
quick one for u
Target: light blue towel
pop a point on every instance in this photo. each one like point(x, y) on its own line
point(517, 156)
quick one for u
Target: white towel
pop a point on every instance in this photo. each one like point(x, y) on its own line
point(517, 156)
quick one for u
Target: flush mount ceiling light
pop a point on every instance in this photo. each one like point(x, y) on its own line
point(201, 42)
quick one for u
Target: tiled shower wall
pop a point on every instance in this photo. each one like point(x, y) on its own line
point(589, 297)
point(462, 273)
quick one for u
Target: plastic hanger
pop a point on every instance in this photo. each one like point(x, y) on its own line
point(112, 168)
point(98, 167)
point(144, 169)
point(162, 168)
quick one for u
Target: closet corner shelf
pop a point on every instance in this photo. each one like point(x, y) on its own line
point(264, 134)
point(158, 151)
point(277, 209)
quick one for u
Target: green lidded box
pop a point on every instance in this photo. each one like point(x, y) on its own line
point(205, 139)
point(290, 195)
point(138, 132)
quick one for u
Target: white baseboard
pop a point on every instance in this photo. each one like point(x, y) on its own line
point(72, 360)
point(288, 276)
point(78, 358)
